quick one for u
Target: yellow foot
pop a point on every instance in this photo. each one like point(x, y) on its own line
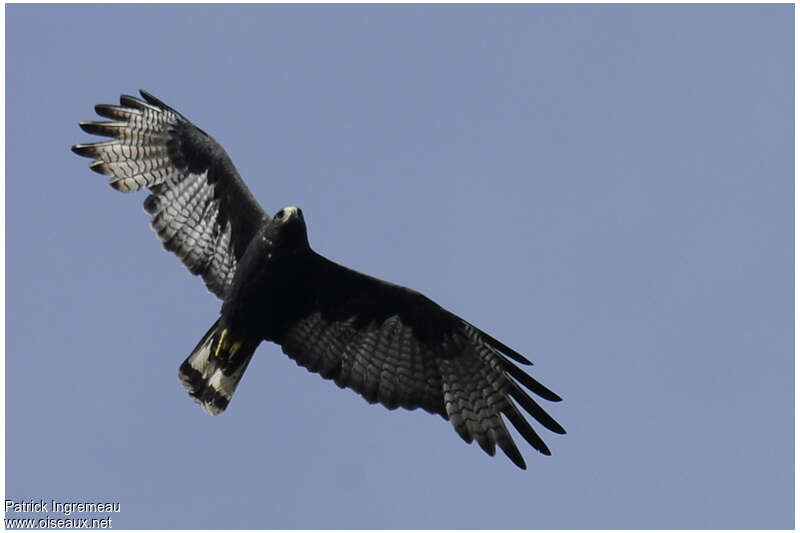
point(225, 346)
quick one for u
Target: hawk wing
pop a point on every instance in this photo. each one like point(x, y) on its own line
point(395, 346)
point(200, 208)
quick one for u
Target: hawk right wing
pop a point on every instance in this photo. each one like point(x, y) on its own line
point(395, 346)
point(200, 208)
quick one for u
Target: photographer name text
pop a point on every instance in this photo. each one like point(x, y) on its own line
point(65, 508)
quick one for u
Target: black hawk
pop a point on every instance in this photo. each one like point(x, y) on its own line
point(389, 343)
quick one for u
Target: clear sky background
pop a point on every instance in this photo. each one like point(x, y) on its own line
point(607, 189)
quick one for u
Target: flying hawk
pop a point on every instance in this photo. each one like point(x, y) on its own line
point(389, 343)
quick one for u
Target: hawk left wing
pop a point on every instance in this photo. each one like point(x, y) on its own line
point(200, 208)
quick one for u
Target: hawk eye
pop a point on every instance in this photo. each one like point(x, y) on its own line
point(279, 214)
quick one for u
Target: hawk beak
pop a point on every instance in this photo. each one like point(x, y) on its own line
point(287, 213)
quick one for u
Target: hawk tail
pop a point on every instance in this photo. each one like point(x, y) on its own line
point(213, 369)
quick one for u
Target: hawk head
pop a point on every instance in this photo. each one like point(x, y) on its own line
point(287, 231)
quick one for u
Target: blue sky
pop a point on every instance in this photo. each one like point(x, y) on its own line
point(607, 189)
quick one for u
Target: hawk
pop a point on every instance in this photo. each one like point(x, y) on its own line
point(390, 344)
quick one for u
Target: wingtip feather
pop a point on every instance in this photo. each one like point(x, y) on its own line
point(101, 168)
point(152, 100)
point(510, 449)
point(532, 385)
point(112, 111)
point(127, 100)
point(535, 410)
point(81, 149)
point(149, 98)
point(525, 429)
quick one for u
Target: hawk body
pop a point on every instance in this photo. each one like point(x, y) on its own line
point(390, 344)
